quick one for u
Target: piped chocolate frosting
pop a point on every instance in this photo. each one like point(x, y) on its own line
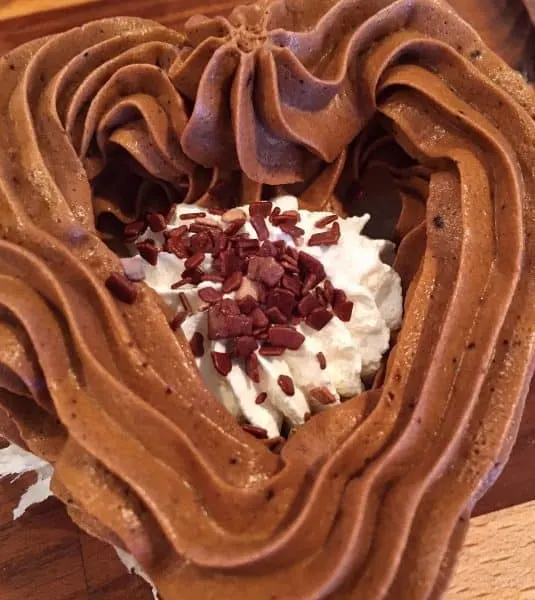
point(367, 500)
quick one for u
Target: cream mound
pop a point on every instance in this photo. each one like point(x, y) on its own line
point(297, 351)
point(320, 100)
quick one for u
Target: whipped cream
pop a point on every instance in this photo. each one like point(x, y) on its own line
point(333, 359)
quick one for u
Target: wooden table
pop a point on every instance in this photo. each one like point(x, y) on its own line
point(45, 557)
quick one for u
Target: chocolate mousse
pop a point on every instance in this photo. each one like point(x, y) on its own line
point(106, 127)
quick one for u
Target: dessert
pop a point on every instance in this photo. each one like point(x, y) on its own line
point(121, 119)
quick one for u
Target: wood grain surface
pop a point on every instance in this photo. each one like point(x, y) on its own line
point(45, 557)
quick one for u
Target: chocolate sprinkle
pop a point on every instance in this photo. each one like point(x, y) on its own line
point(245, 346)
point(261, 398)
point(286, 384)
point(222, 362)
point(233, 282)
point(285, 336)
point(260, 209)
point(326, 221)
point(319, 318)
point(148, 251)
point(192, 215)
point(322, 360)
point(178, 319)
point(210, 295)
point(157, 222)
point(122, 288)
point(257, 432)
point(195, 260)
point(323, 396)
point(197, 345)
point(252, 368)
point(326, 238)
point(272, 350)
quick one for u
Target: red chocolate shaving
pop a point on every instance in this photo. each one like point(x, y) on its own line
point(176, 232)
point(197, 345)
point(233, 282)
point(308, 304)
point(157, 222)
point(258, 432)
point(286, 384)
point(194, 274)
point(195, 260)
point(318, 318)
point(326, 221)
point(245, 346)
point(177, 320)
point(283, 299)
point(252, 368)
point(310, 264)
point(175, 245)
point(326, 238)
point(201, 242)
point(343, 310)
point(260, 319)
point(122, 288)
point(247, 305)
point(275, 315)
point(226, 321)
point(323, 396)
point(184, 281)
point(265, 269)
point(292, 230)
point(322, 360)
point(234, 227)
point(292, 284)
point(222, 362)
point(148, 251)
point(133, 230)
point(217, 211)
point(285, 336)
point(229, 263)
point(210, 295)
point(260, 227)
point(185, 303)
point(272, 350)
point(192, 215)
point(261, 398)
point(260, 209)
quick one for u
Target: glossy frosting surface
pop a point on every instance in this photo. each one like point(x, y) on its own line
point(369, 499)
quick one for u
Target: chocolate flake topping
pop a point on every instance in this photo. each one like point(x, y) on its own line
point(286, 384)
point(285, 336)
point(222, 362)
point(257, 432)
point(261, 398)
point(323, 395)
point(122, 288)
point(197, 345)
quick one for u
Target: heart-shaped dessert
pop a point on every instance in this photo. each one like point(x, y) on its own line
point(395, 108)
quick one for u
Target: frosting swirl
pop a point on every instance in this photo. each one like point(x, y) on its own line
point(371, 498)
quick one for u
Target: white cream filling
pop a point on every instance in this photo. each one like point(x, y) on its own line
point(352, 350)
